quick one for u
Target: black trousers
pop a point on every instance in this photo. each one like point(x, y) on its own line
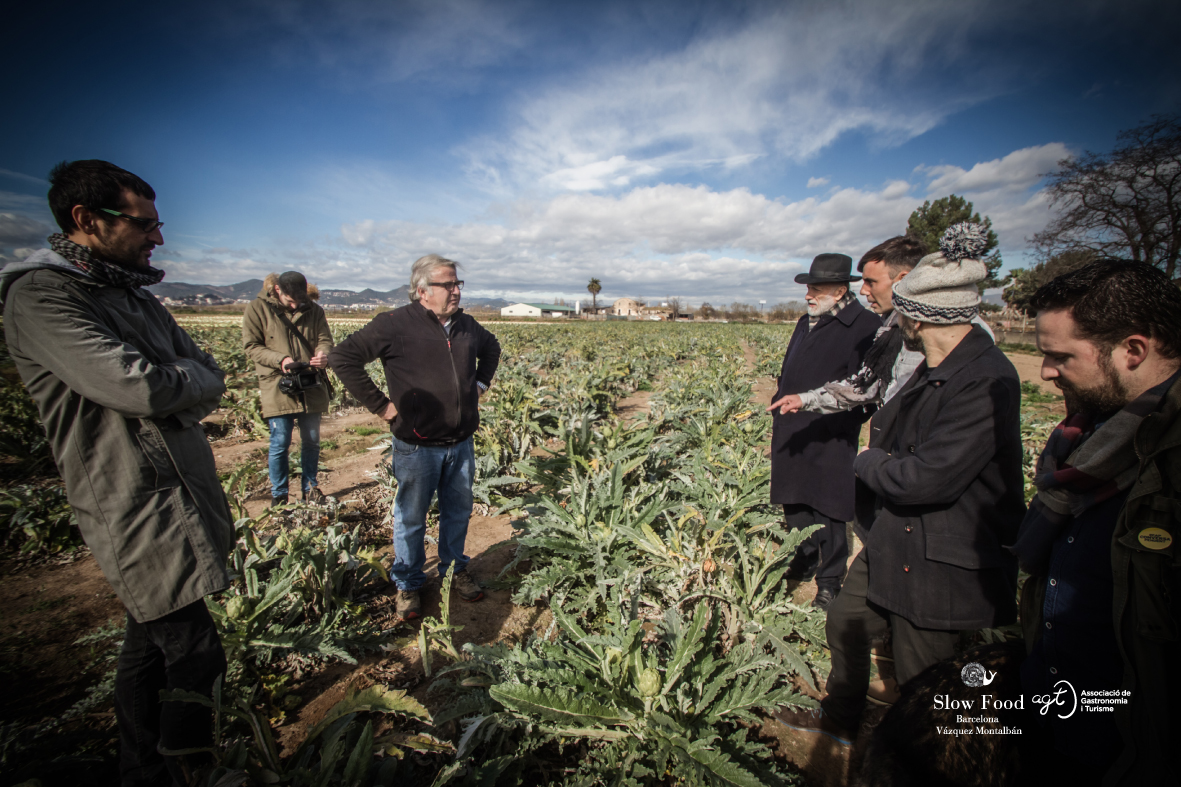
point(853, 622)
point(178, 651)
point(827, 549)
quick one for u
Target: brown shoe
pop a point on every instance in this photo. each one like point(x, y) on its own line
point(815, 720)
point(409, 604)
point(467, 588)
point(314, 496)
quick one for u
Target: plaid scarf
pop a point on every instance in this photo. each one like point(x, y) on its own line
point(1082, 465)
point(99, 269)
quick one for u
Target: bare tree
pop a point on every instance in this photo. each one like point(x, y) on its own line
point(1123, 204)
point(675, 305)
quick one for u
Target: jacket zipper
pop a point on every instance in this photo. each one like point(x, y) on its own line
point(454, 372)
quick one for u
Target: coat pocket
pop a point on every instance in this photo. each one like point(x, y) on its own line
point(151, 443)
point(947, 542)
point(962, 552)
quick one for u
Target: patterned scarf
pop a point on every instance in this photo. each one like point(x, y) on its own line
point(1082, 465)
point(869, 383)
point(99, 269)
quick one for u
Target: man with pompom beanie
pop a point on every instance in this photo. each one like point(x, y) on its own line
point(939, 489)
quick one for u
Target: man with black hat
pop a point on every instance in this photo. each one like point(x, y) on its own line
point(287, 336)
point(812, 454)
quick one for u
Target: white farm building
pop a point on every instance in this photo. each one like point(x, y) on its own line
point(536, 310)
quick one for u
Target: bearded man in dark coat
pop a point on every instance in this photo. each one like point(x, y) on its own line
point(812, 454)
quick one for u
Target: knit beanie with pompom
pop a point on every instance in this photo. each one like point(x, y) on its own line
point(942, 287)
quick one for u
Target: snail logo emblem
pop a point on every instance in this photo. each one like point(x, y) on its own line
point(975, 676)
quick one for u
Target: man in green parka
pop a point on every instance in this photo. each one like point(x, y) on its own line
point(284, 331)
point(121, 390)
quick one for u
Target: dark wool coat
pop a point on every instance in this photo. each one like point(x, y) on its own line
point(942, 483)
point(812, 454)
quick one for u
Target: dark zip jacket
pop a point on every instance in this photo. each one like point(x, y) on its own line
point(431, 375)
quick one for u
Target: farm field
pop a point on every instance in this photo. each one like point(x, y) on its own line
point(637, 621)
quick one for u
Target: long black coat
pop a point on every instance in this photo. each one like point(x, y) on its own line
point(812, 454)
point(942, 482)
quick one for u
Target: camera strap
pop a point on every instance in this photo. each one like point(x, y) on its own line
point(306, 344)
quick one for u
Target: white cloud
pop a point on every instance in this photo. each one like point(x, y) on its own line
point(652, 240)
point(18, 230)
point(786, 85)
point(1017, 171)
point(817, 182)
point(1002, 189)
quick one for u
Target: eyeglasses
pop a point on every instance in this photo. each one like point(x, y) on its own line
point(447, 285)
point(147, 225)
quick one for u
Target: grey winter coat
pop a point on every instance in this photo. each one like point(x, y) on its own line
point(121, 390)
point(942, 485)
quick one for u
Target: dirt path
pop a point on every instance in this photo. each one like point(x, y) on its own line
point(638, 405)
point(45, 610)
point(1029, 369)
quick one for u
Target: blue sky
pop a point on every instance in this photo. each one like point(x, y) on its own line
point(702, 150)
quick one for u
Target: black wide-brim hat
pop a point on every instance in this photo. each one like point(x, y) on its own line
point(829, 269)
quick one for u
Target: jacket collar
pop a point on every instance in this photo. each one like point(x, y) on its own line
point(426, 314)
point(850, 312)
point(1161, 430)
point(971, 347)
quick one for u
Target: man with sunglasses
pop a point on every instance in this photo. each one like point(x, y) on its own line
point(121, 390)
point(437, 362)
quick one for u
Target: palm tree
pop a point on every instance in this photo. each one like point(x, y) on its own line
point(594, 288)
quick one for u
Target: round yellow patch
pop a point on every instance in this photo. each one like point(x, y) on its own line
point(1155, 538)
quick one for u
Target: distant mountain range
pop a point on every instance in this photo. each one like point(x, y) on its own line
point(248, 290)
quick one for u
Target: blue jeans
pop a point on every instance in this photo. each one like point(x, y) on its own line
point(421, 471)
point(178, 651)
point(309, 461)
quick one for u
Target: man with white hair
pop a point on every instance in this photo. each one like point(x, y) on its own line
point(812, 453)
point(437, 362)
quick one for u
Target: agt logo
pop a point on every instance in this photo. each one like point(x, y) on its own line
point(1058, 699)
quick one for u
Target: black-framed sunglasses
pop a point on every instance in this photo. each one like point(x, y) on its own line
point(447, 285)
point(147, 225)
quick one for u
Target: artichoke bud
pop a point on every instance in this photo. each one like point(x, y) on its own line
point(611, 443)
point(709, 566)
point(239, 607)
point(580, 520)
point(476, 682)
point(649, 684)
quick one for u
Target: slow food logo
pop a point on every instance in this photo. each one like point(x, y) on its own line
point(974, 675)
